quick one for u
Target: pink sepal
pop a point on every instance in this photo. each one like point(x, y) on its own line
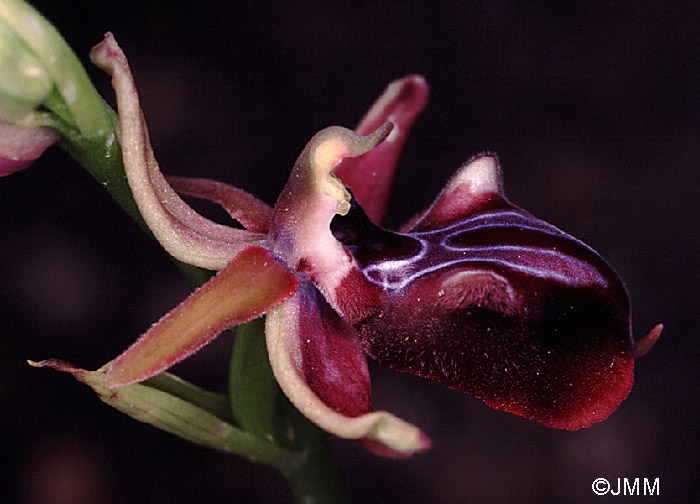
point(251, 284)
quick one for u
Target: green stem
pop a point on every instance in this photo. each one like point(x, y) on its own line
point(316, 479)
point(101, 157)
point(258, 406)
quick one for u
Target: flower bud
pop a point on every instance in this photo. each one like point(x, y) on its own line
point(24, 82)
point(20, 147)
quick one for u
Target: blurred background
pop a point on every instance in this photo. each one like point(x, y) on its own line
point(594, 111)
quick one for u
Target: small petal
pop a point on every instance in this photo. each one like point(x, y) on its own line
point(252, 213)
point(316, 358)
point(371, 176)
point(20, 147)
point(303, 213)
point(247, 287)
point(186, 235)
point(644, 346)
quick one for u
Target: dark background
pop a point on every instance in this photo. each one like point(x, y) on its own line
point(593, 108)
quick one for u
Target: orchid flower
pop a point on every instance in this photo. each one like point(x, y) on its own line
point(474, 292)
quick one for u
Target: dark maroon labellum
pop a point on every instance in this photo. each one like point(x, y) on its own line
point(501, 305)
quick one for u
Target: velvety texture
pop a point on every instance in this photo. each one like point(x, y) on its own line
point(488, 299)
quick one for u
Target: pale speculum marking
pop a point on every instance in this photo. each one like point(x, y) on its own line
point(507, 238)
